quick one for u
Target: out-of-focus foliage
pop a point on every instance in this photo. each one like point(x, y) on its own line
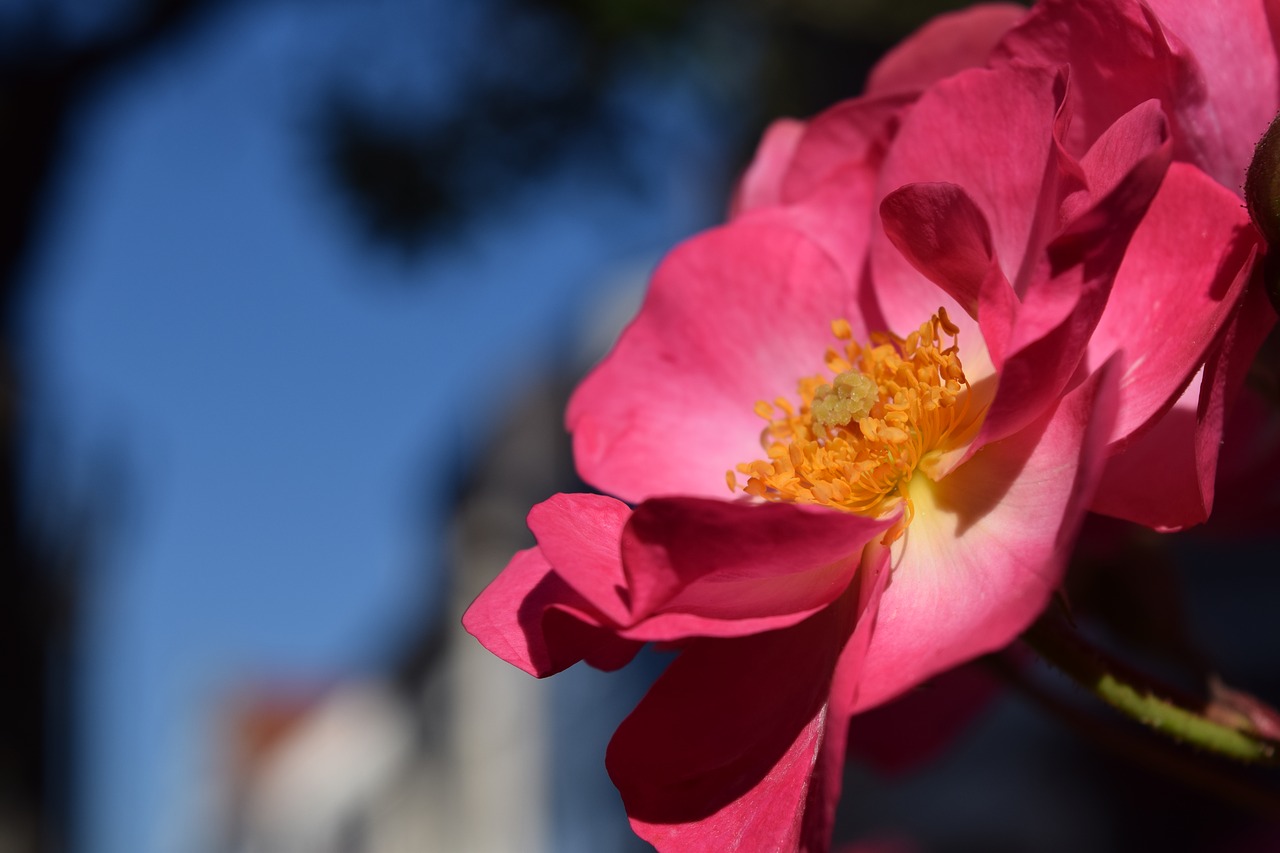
point(547, 96)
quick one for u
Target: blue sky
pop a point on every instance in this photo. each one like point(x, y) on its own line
point(277, 389)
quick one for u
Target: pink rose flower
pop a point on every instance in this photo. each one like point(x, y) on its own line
point(1214, 71)
point(941, 315)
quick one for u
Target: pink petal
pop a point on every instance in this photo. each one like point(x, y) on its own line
point(1118, 55)
point(532, 619)
point(1186, 54)
point(580, 535)
point(987, 545)
point(719, 754)
point(1240, 97)
point(733, 316)
point(852, 133)
point(944, 46)
point(1138, 140)
point(699, 567)
point(761, 184)
point(1067, 289)
point(824, 790)
point(941, 232)
point(1000, 160)
point(1165, 478)
point(1181, 278)
point(1158, 480)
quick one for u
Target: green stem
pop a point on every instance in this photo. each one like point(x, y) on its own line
point(1225, 782)
point(1140, 697)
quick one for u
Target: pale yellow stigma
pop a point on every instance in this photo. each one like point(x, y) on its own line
point(850, 397)
point(894, 406)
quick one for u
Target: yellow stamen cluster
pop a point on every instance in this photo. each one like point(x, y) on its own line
point(855, 441)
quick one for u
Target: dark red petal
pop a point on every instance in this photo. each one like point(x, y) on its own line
point(752, 567)
point(846, 684)
point(532, 619)
point(943, 234)
point(719, 754)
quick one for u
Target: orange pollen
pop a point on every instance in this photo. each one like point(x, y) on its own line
point(855, 441)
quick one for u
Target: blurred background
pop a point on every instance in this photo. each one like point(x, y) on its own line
point(294, 292)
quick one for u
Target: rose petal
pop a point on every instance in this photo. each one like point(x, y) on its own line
point(716, 568)
point(945, 45)
point(1165, 478)
point(1118, 54)
point(733, 316)
point(1000, 161)
point(761, 184)
point(580, 535)
point(1239, 97)
point(1066, 294)
point(940, 230)
point(852, 133)
point(987, 545)
point(846, 681)
point(1123, 147)
point(532, 619)
point(1157, 480)
point(1181, 278)
point(720, 753)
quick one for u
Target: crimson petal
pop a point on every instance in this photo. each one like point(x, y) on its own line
point(720, 754)
point(532, 619)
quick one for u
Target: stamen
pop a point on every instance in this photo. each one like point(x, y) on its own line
point(855, 442)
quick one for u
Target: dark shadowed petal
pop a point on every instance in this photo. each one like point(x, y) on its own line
point(846, 684)
point(717, 568)
point(532, 619)
point(940, 230)
point(720, 754)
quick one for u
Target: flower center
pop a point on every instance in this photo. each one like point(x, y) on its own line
point(894, 406)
